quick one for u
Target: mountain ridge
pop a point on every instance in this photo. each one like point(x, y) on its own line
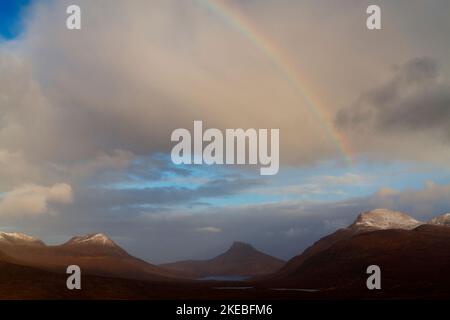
point(338, 260)
point(95, 253)
point(335, 266)
point(382, 219)
point(100, 255)
point(15, 238)
point(367, 221)
point(441, 220)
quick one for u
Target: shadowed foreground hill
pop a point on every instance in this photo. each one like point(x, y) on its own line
point(19, 282)
point(378, 219)
point(414, 262)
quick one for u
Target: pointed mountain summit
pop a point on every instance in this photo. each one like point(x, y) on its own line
point(443, 220)
point(94, 244)
point(92, 239)
point(239, 250)
point(238, 246)
point(241, 259)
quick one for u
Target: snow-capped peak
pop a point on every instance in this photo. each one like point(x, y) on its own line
point(18, 238)
point(96, 239)
point(443, 220)
point(381, 219)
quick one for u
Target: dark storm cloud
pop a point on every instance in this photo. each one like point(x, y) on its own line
point(414, 99)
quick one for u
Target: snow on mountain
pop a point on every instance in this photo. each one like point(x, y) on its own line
point(98, 239)
point(15, 238)
point(94, 244)
point(381, 219)
point(443, 220)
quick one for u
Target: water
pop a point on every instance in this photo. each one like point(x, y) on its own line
point(295, 289)
point(232, 288)
point(224, 278)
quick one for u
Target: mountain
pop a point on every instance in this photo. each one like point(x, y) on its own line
point(241, 259)
point(94, 244)
point(18, 239)
point(413, 263)
point(18, 282)
point(378, 219)
point(96, 254)
point(382, 219)
point(413, 257)
point(443, 220)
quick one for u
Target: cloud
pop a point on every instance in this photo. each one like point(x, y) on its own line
point(93, 107)
point(34, 199)
point(345, 179)
point(412, 100)
point(172, 65)
point(316, 185)
point(161, 198)
point(15, 169)
point(283, 229)
point(295, 232)
point(209, 230)
point(406, 117)
point(432, 199)
point(101, 168)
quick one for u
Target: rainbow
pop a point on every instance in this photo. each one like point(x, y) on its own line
point(237, 20)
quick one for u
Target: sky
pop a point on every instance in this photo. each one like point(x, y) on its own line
point(86, 119)
point(10, 17)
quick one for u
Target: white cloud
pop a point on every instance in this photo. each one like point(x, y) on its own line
point(431, 198)
point(345, 179)
point(34, 199)
point(296, 232)
point(15, 169)
point(209, 230)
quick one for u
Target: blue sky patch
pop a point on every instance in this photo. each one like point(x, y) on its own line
point(11, 12)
